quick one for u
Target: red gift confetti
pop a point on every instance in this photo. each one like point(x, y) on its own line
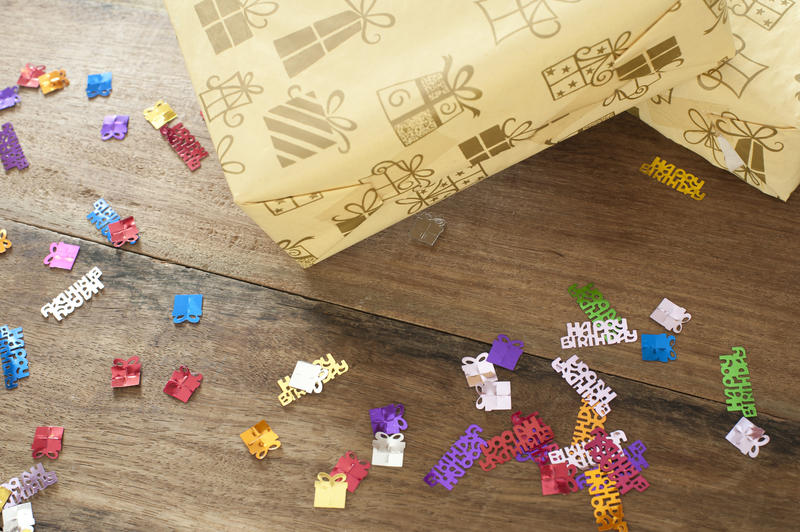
point(47, 442)
point(125, 372)
point(182, 384)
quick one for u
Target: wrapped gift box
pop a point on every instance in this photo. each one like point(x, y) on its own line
point(743, 115)
point(439, 99)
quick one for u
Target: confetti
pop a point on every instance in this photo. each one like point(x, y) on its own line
point(460, 457)
point(5, 243)
point(126, 373)
point(557, 479)
point(11, 153)
point(578, 456)
point(477, 370)
point(9, 97)
point(61, 255)
point(587, 420)
point(426, 229)
point(102, 215)
point(123, 231)
point(736, 378)
point(114, 126)
point(589, 334)
point(182, 384)
point(18, 518)
point(29, 76)
point(747, 437)
point(13, 356)
point(32, 482)
point(185, 145)
point(530, 437)
point(592, 303)
point(666, 173)
point(53, 81)
point(612, 461)
point(98, 85)
point(635, 453)
point(73, 297)
point(354, 470)
point(47, 442)
point(494, 395)
point(658, 347)
point(388, 419)
point(388, 450)
point(159, 114)
point(187, 307)
point(585, 382)
point(605, 501)
point(289, 394)
point(505, 353)
point(330, 491)
point(260, 439)
point(308, 377)
point(670, 316)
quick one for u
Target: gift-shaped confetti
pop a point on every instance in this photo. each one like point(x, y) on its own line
point(18, 518)
point(76, 295)
point(585, 382)
point(259, 439)
point(32, 482)
point(185, 145)
point(354, 470)
point(123, 231)
point(658, 347)
point(429, 101)
point(388, 450)
point(182, 384)
point(5, 243)
point(61, 255)
point(330, 491)
point(187, 307)
point(557, 478)
point(5, 493)
point(11, 153)
point(98, 85)
point(388, 419)
point(102, 215)
point(495, 395)
point(114, 126)
point(426, 229)
point(13, 356)
point(47, 442)
point(478, 370)
point(126, 373)
point(308, 377)
point(605, 501)
point(670, 316)
point(736, 378)
point(159, 114)
point(460, 457)
point(53, 81)
point(504, 352)
point(334, 369)
point(29, 76)
point(747, 437)
point(9, 97)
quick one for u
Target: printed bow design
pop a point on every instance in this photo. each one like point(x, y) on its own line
point(750, 144)
point(236, 91)
point(258, 9)
point(705, 134)
point(229, 167)
point(604, 71)
point(459, 88)
point(370, 202)
point(380, 20)
point(413, 170)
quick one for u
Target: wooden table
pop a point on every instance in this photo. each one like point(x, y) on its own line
point(402, 316)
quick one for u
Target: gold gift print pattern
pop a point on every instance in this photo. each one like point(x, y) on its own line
point(645, 69)
point(735, 73)
point(392, 178)
point(765, 13)
point(302, 127)
point(507, 17)
point(299, 253)
point(291, 203)
point(222, 97)
point(751, 141)
point(703, 134)
point(496, 140)
point(419, 106)
point(228, 23)
point(588, 66)
point(357, 213)
point(437, 190)
point(302, 48)
point(228, 166)
point(718, 8)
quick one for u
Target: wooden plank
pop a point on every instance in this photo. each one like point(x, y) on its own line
point(577, 212)
point(136, 459)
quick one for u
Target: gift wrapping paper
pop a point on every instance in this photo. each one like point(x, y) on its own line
point(752, 101)
point(334, 120)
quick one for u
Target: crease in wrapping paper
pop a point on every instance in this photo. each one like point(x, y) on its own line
point(750, 101)
point(359, 113)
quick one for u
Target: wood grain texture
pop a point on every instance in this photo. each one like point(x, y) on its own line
point(136, 459)
point(577, 212)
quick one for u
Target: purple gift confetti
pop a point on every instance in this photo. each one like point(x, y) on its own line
point(505, 353)
point(11, 153)
point(388, 419)
point(9, 97)
point(61, 255)
point(114, 126)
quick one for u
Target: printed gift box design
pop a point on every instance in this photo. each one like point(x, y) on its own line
point(227, 22)
point(419, 106)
